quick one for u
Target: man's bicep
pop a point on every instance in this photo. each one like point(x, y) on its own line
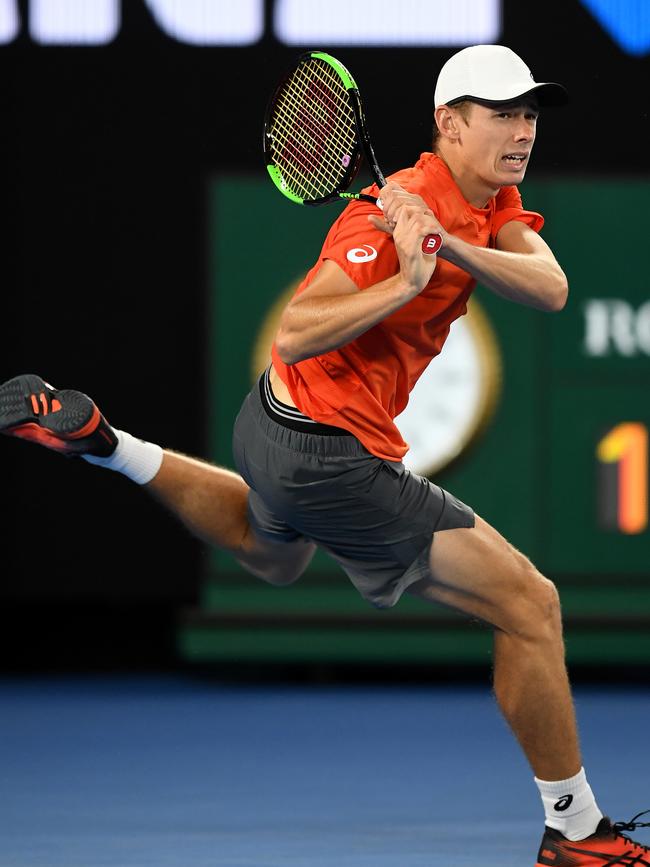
point(330, 281)
point(516, 237)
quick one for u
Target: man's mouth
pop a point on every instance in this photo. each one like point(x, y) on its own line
point(515, 159)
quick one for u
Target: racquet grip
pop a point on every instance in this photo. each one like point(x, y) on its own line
point(431, 244)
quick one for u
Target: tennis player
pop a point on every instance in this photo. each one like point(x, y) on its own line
point(318, 452)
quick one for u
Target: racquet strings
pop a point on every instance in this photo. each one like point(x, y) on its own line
point(313, 131)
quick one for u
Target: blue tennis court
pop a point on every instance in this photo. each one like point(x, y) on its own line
point(169, 770)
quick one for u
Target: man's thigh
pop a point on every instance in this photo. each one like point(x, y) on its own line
point(477, 571)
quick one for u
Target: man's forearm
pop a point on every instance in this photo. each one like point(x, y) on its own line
point(532, 279)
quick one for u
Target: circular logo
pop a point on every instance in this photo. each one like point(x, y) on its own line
point(563, 804)
point(364, 253)
point(431, 244)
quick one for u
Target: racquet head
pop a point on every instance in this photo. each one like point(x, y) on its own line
point(312, 140)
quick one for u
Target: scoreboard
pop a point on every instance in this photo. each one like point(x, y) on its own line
point(597, 368)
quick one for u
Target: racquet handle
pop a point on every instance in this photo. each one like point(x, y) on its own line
point(430, 244)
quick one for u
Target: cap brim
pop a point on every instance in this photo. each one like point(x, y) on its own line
point(551, 94)
point(548, 94)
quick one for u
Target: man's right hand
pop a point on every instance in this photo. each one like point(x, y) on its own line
point(331, 311)
point(407, 217)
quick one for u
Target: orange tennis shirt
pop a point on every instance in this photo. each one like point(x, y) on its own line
point(365, 384)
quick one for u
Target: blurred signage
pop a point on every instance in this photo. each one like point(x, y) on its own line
point(626, 21)
point(613, 326)
point(304, 22)
point(294, 22)
point(382, 22)
point(98, 22)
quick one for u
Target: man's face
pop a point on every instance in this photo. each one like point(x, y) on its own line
point(496, 141)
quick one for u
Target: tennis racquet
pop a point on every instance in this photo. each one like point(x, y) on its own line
point(315, 136)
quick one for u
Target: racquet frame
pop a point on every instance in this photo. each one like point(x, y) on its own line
point(302, 144)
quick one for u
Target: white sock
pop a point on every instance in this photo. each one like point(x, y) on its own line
point(570, 806)
point(134, 458)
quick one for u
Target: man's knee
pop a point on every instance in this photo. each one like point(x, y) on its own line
point(277, 563)
point(535, 609)
point(280, 577)
point(278, 574)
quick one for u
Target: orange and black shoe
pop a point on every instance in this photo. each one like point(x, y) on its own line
point(606, 847)
point(66, 421)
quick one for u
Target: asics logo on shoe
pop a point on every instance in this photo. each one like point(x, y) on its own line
point(43, 403)
point(563, 804)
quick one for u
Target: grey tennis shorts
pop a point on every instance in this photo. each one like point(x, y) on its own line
point(372, 516)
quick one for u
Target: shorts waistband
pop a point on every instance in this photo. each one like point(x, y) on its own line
point(342, 444)
point(290, 416)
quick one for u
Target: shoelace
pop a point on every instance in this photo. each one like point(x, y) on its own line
point(632, 825)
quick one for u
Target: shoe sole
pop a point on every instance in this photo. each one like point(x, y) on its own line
point(78, 416)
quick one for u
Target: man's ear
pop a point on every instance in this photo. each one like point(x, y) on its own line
point(447, 123)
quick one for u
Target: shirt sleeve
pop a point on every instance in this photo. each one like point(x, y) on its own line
point(366, 254)
point(509, 207)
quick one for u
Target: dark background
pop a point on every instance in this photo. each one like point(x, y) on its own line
point(106, 154)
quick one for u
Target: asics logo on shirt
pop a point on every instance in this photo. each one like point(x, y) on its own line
point(364, 253)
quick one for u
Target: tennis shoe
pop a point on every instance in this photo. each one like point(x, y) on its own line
point(606, 847)
point(65, 421)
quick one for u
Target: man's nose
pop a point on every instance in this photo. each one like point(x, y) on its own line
point(524, 131)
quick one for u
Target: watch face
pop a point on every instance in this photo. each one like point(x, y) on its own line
point(452, 401)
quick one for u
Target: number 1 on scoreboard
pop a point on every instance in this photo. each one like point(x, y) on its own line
point(623, 478)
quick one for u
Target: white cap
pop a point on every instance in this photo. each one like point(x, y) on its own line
point(492, 73)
